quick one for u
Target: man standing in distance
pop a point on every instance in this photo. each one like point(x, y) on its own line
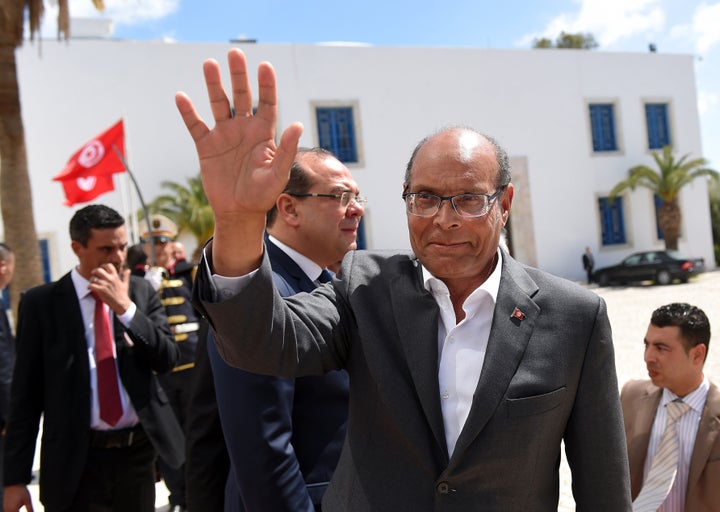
point(675, 413)
point(467, 369)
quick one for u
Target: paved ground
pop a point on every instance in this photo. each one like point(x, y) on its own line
point(629, 309)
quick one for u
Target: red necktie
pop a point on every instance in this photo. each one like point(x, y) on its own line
point(107, 380)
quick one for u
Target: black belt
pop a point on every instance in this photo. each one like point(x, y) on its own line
point(118, 438)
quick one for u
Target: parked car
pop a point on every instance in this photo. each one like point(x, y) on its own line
point(663, 267)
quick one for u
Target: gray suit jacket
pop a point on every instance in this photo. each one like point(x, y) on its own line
point(549, 375)
point(640, 399)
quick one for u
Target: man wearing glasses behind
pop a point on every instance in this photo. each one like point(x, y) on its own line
point(467, 369)
point(284, 436)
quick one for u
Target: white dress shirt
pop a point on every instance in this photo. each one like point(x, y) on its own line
point(461, 348)
point(87, 308)
point(687, 427)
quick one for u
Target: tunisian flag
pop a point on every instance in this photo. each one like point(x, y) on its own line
point(89, 171)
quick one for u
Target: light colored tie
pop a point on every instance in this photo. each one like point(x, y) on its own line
point(664, 466)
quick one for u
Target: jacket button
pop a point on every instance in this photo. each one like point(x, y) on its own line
point(443, 488)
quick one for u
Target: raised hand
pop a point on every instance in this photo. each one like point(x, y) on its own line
point(243, 170)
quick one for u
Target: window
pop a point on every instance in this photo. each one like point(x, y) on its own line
point(44, 260)
point(361, 240)
point(602, 124)
point(336, 132)
point(658, 130)
point(612, 222)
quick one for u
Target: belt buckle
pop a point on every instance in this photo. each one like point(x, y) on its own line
point(120, 441)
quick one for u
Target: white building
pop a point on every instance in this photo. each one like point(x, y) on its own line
point(536, 103)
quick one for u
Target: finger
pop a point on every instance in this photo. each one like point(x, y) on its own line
point(193, 122)
point(241, 94)
point(219, 103)
point(267, 94)
point(286, 150)
point(125, 275)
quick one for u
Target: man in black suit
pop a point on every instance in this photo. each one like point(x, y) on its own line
point(91, 460)
point(7, 347)
point(283, 459)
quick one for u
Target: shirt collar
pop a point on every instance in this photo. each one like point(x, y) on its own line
point(695, 399)
point(80, 284)
point(491, 285)
point(311, 269)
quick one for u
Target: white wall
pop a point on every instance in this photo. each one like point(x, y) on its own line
point(533, 101)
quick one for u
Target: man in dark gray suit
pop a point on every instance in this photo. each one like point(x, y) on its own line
point(467, 369)
point(91, 459)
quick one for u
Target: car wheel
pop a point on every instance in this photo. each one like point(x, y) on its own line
point(663, 277)
point(604, 280)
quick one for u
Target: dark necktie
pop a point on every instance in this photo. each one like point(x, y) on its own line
point(325, 276)
point(107, 380)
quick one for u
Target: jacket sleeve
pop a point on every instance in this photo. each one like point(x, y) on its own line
point(257, 412)
point(595, 436)
point(149, 329)
point(26, 403)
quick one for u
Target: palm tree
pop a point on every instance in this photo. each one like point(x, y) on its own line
point(15, 192)
point(189, 208)
point(666, 183)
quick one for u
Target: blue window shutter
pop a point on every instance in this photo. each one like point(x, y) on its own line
point(336, 132)
point(656, 116)
point(44, 260)
point(602, 123)
point(361, 240)
point(612, 222)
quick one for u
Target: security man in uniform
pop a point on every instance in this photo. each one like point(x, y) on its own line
point(175, 292)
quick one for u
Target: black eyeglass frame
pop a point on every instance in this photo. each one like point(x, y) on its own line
point(350, 197)
point(489, 202)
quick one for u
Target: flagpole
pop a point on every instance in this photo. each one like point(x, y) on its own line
point(142, 202)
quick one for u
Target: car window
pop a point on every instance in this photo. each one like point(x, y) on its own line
point(635, 259)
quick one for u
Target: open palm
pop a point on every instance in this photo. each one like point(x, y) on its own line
point(243, 170)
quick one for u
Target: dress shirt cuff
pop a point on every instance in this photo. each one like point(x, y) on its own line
point(127, 317)
point(222, 287)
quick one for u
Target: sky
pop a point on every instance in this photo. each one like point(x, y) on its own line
point(674, 26)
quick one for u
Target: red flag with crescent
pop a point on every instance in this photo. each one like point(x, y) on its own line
point(88, 172)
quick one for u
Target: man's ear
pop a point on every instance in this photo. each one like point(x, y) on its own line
point(506, 202)
point(697, 354)
point(76, 246)
point(287, 211)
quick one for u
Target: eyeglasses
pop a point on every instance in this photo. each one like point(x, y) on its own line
point(345, 198)
point(424, 204)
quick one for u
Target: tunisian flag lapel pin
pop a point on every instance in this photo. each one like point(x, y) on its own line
point(517, 314)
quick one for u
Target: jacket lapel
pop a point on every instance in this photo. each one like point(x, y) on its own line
point(417, 315)
point(283, 265)
point(639, 434)
point(706, 436)
point(70, 322)
point(509, 335)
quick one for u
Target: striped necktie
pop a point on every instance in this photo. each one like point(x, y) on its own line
point(664, 466)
